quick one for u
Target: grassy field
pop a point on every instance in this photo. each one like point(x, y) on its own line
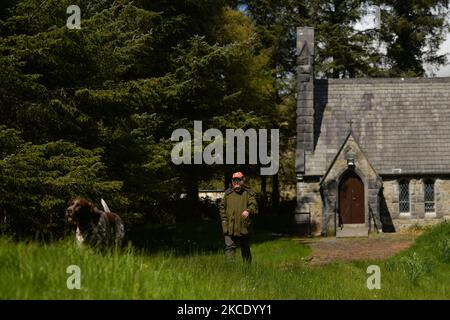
point(187, 263)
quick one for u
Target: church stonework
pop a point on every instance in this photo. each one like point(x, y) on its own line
point(372, 155)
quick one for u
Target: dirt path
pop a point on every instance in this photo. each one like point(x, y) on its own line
point(376, 247)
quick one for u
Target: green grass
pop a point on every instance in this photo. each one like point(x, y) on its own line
point(167, 266)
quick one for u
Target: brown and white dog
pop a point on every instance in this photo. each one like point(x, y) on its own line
point(95, 227)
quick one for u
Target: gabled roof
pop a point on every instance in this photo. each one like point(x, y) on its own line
point(352, 143)
point(336, 156)
point(402, 125)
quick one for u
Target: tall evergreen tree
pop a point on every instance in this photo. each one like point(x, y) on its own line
point(413, 32)
point(342, 50)
point(114, 91)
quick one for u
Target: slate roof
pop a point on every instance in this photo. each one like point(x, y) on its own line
point(399, 123)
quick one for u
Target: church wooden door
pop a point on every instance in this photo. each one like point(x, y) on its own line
point(351, 199)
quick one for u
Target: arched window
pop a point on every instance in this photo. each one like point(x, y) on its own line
point(428, 193)
point(403, 196)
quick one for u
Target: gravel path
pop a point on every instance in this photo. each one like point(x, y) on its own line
point(376, 247)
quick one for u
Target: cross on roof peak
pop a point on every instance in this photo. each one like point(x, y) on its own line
point(350, 124)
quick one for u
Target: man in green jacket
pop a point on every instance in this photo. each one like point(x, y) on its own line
point(236, 210)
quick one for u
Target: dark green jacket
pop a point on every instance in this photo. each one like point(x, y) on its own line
point(231, 208)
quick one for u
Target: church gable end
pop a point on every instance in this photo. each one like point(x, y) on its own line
point(400, 131)
point(350, 160)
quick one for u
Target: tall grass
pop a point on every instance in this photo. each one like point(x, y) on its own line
point(279, 271)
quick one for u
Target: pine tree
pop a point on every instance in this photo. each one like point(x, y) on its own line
point(116, 89)
point(413, 32)
point(342, 50)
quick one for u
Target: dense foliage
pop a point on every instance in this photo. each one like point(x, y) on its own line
point(91, 111)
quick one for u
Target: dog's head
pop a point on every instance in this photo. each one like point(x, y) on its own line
point(80, 211)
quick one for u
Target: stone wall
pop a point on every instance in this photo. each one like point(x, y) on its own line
point(322, 223)
point(310, 204)
point(442, 187)
point(417, 213)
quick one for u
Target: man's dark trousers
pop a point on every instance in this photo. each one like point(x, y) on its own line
point(243, 241)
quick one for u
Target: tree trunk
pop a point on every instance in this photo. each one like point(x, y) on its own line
point(227, 180)
point(275, 192)
point(263, 201)
point(192, 187)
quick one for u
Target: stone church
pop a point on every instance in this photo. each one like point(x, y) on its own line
point(372, 154)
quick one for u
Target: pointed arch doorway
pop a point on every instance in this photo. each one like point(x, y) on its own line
point(351, 199)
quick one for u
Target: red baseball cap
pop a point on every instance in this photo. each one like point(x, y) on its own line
point(238, 175)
